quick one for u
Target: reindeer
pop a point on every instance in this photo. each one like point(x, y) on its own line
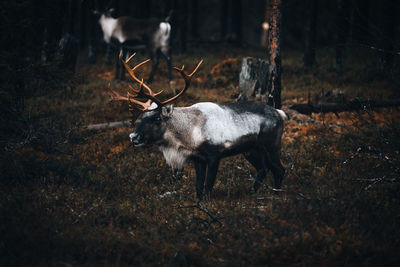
point(206, 132)
point(124, 32)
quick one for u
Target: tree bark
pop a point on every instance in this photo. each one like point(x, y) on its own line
point(274, 71)
point(126, 8)
point(265, 25)
point(310, 33)
point(361, 31)
point(83, 23)
point(183, 7)
point(195, 19)
point(342, 29)
point(68, 46)
point(388, 29)
point(237, 21)
point(91, 31)
point(224, 19)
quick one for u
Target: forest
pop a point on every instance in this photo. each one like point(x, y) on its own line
point(75, 191)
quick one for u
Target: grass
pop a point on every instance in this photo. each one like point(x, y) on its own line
point(70, 196)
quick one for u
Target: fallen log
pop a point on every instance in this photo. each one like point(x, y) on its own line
point(114, 124)
point(353, 105)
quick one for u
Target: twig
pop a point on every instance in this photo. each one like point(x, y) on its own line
point(275, 190)
point(378, 154)
point(197, 206)
point(377, 180)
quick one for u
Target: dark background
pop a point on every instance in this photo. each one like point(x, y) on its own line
point(367, 23)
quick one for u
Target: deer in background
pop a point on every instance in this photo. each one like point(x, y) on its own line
point(206, 132)
point(124, 32)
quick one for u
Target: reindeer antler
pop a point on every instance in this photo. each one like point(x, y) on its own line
point(145, 91)
point(131, 99)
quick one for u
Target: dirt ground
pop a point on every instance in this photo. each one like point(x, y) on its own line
point(73, 196)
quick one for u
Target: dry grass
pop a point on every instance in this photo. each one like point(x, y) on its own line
point(70, 196)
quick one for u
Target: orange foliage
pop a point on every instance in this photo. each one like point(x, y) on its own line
point(226, 66)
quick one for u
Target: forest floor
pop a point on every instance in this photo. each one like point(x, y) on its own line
point(71, 196)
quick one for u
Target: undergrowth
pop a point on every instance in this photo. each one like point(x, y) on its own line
point(70, 196)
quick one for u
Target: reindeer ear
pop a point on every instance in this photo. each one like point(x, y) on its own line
point(167, 111)
point(112, 12)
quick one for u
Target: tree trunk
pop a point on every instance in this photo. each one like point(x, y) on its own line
point(310, 33)
point(265, 25)
point(237, 21)
point(69, 21)
point(84, 21)
point(195, 19)
point(53, 27)
point(361, 31)
point(126, 8)
point(68, 46)
point(141, 9)
point(183, 7)
point(274, 70)
point(91, 31)
point(342, 29)
point(224, 19)
point(388, 29)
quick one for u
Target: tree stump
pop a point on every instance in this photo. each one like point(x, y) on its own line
point(68, 49)
point(253, 80)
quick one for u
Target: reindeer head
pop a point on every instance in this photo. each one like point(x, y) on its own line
point(143, 100)
point(107, 11)
point(152, 126)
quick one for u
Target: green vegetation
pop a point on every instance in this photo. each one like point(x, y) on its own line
point(73, 196)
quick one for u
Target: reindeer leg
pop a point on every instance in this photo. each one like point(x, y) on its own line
point(256, 160)
point(169, 63)
point(155, 59)
point(178, 174)
point(125, 53)
point(274, 163)
point(269, 146)
point(212, 168)
point(118, 66)
point(200, 167)
point(167, 55)
point(109, 53)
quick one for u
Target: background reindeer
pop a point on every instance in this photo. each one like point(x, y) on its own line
point(207, 132)
point(125, 32)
